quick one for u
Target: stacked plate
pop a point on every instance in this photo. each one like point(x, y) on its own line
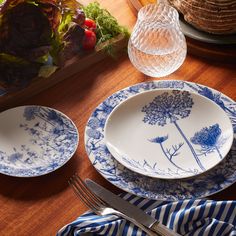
point(166, 140)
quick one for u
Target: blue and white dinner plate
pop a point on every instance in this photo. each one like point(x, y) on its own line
point(168, 134)
point(35, 140)
point(210, 182)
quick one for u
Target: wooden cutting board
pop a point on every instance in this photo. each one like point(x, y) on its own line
point(73, 66)
point(219, 52)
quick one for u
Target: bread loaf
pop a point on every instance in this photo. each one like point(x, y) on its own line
point(213, 16)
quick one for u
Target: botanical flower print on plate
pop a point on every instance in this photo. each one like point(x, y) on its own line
point(214, 180)
point(152, 133)
point(35, 140)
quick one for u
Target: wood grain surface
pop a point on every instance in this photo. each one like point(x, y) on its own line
point(42, 205)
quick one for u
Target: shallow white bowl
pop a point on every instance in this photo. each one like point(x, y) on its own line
point(169, 134)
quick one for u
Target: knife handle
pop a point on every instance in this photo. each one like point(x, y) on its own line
point(163, 230)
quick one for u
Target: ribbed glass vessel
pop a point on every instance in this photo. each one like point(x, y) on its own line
point(157, 47)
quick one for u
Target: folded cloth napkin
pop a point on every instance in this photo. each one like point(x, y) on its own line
point(187, 217)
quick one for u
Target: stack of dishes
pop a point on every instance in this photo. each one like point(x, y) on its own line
point(166, 140)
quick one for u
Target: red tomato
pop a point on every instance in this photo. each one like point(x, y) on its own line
point(89, 40)
point(90, 24)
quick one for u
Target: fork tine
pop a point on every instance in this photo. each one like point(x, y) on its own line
point(79, 182)
point(88, 191)
point(83, 197)
point(93, 202)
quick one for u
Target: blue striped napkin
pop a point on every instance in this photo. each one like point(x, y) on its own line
point(187, 217)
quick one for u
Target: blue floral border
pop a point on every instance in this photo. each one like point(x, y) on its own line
point(213, 181)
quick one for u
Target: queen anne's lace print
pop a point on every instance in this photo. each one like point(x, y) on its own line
point(208, 183)
point(170, 107)
point(210, 139)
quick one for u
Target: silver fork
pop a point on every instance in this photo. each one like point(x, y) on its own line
point(97, 205)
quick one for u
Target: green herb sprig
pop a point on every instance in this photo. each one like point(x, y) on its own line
point(107, 25)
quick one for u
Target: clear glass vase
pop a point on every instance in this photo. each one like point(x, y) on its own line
point(157, 46)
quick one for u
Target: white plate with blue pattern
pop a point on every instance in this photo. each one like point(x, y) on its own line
point(168, 134)
point(208, 183)
point(35, 140)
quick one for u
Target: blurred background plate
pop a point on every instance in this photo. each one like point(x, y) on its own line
point(202, 36)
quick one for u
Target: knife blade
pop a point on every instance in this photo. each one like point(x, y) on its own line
point(128, 209)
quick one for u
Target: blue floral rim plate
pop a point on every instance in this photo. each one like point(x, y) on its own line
point(208, 183)
point(35, 140)
point(168, 133)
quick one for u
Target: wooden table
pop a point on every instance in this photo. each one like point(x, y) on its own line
point(42, 205)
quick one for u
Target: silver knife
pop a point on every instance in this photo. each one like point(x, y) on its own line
point(128, 209)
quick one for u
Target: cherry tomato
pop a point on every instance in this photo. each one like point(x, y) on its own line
point(89, 40)
point(90, 24)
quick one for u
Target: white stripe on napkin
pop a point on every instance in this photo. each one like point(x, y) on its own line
point(188, 217)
